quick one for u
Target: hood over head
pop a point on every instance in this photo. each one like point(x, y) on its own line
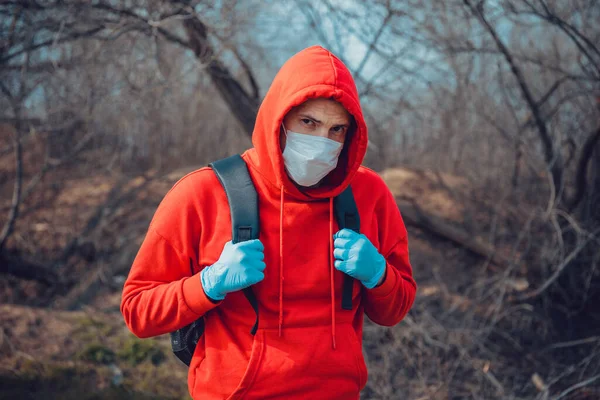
point(312, 73)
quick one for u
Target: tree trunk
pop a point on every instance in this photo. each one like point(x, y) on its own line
point(243, 105)
point(16, 199)
point(21, 268)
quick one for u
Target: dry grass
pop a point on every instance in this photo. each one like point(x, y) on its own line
point(84, 349)
point(462, 339)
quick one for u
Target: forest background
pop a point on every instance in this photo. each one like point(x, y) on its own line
point(484, 120)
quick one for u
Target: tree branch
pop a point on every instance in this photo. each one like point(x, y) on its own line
point(577, 386)
point(582, 167)
point(559, 270)
point(553, 158)
point(30, 270)
point(573, 34)
point(249, 74)
point(150, 24)
point(16, 200)
point(69, 38)
point(243, 105)
point(373, 44)
point(52, 164)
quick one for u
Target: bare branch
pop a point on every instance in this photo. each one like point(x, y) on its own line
point(249, 74)
point(552, 89)
point(69, 38)
point(26, 269)
point(243, 105)
point(373, 43)
point(553, 158)
point(148, 23)
point(577, 386)
point(16, 199)
point(582, 167)
point(559, 269)
point(572, 32)
point(52, 164)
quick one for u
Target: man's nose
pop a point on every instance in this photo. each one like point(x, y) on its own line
point(323, 131)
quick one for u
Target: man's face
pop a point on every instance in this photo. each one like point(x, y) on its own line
point(318, 117)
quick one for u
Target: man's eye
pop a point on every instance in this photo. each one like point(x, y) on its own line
point(339, 129)
point(306, 121)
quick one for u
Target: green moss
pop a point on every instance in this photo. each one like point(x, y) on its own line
point(87, 322)
point(83, 381)
point(88, 328)
point(71, 390)
point(136, 351)
point(37, 376)
point(32, 369)
point(96, 353)
point(117, 393)
point(28, 368)
point(148, 372)
point(148, 378)
point(60, 373)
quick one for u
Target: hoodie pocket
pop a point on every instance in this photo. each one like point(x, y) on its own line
point(256, 355)
point(302, 364)
point(359, 357)
point(197, 360)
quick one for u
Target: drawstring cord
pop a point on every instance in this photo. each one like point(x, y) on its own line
point(281, 262)
point(331, 272)
point(331, 268)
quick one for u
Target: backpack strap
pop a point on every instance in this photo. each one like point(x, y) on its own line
point(185, 340)
point(347, 217)
point(233, 174)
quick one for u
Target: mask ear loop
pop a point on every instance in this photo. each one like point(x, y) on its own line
point(284, 132)
point(281, 146)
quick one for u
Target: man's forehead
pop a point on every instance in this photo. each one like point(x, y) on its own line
point(324, 106)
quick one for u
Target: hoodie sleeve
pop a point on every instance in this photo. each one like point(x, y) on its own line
point(388, 303)
point(161, 294)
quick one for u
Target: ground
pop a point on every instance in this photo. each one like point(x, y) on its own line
point(73, 344)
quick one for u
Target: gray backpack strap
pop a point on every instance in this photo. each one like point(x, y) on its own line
point(233, 174)
point(347, 217)
point(185, 340)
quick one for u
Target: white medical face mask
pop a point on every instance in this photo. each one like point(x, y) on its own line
point(308, 159)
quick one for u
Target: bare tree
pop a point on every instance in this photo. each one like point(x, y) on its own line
point(62, 48)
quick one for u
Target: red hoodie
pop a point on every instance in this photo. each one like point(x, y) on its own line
point(306, 346)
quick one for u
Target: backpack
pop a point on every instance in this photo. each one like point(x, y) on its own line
point(233, 175)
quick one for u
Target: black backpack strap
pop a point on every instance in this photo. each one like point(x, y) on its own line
point(233, 174)
point(347, 217)
point(185, 340)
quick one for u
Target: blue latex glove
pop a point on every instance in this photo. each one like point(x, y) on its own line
point(356, 256)
point(239, 266)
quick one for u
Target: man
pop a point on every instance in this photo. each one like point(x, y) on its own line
point(309, 140)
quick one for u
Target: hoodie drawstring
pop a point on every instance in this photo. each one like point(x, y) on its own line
point(331, 267)
point(331, 272)
point(281, 262)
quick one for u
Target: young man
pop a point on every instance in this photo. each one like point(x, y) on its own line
point(309, 140)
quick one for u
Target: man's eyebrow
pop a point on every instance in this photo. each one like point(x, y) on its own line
point(345, 124)
point(310, 117)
